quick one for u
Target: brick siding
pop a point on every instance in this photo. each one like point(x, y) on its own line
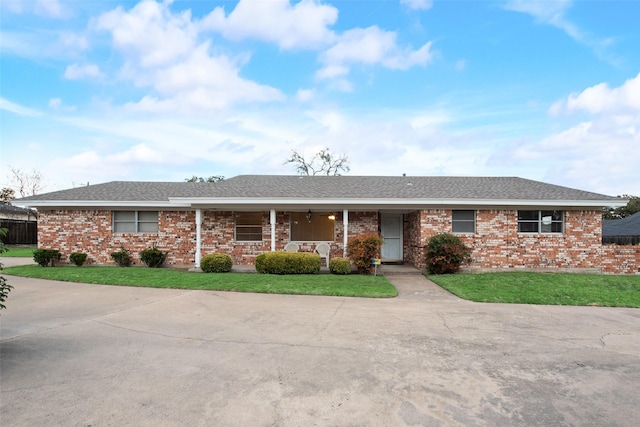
point(496, 244)
point(621, 259)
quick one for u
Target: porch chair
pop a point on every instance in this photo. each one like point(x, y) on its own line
point(291, 247)
point(323, 250)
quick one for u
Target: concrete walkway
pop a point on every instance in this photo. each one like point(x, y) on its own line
point(90, 355)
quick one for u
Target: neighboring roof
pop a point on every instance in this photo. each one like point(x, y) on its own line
point(347, 191)
point(15, 210)
point(629, 226)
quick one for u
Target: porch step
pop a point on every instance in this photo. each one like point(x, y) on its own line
point(398, 269)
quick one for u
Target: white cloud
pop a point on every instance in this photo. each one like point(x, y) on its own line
point(140, 153)
point(189, 85)
point(149, 35)
point(305, 95)
point(601, 98)
point(39, 44)
point(12, 107)
point(46, 8)
point(553, 12)
point(162, 51)
point(417, 4)
point(550, 11)
point(600, 153)
point(79, 72)
point(303, 25)
point(370, 46)
point(56, 104)
point(74, 41)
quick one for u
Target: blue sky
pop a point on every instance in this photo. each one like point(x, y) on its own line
point(96, 91)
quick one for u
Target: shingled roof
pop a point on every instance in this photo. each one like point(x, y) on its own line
point(629, 226)
point(337, 188)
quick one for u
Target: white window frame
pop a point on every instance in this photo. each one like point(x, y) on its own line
point(544, 223)
point(463, 221)
point(137, 221)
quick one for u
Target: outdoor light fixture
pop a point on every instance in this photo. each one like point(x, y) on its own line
point(332, 216)
point(309, 215)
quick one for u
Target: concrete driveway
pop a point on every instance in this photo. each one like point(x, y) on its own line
point(88, 355)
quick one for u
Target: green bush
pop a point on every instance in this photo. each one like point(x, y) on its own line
point(216, 263)
point(122, 257)
point(288, 263)
point(78, 258)
point(445, 253)
point(46, 257)
point(153, 257)
point(362, 249)
point(340, 266)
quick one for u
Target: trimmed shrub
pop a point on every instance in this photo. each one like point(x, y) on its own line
point(46, 257)
point(153, 257)
point(78, 258)
point(216, 263)
point(445, 253)
point(122, 257)
point(362, 249)
point(340, 266)
point(288, 263)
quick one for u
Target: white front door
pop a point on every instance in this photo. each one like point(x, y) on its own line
point(391, 231)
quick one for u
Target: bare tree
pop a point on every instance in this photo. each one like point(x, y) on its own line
point(213, 178)
point(28, 184)
point(321, 163)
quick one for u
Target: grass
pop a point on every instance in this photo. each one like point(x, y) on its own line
point(544, 288)
point(353, 285)
point(14, 251)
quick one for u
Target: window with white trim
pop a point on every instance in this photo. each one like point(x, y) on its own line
point(540, 222)
point(135, 221)
point(463, 221)
point(248, 226)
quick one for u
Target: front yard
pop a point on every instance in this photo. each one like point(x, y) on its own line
point(544, 288)
point(353, 285)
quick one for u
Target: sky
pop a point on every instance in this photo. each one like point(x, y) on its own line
point(98, 91)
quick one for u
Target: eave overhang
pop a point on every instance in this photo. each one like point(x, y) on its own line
point(240, 203)
point(294, 204)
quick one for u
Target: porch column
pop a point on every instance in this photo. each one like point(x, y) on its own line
point(198, 237)
point(345, 224)
point(272, 221)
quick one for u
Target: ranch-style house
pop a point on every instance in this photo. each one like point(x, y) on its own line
point(509, 222)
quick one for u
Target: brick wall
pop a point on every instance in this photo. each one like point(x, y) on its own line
point(496, 243)
point(90, 232)
point(621, 259)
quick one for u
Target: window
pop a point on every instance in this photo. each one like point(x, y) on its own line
point(135, 221)
point(540, 221)
point(248, 226)
point(463, 221)
point(317, 229)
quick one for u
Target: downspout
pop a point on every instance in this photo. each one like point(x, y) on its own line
point(198, 237)
point(272, 221)
point(345, 232)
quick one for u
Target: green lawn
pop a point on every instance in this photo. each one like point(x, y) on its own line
point(18, 251)
point(544, 288)
point(353, 285)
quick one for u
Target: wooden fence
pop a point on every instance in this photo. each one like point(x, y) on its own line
point(621, 240)
point(20, 232)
